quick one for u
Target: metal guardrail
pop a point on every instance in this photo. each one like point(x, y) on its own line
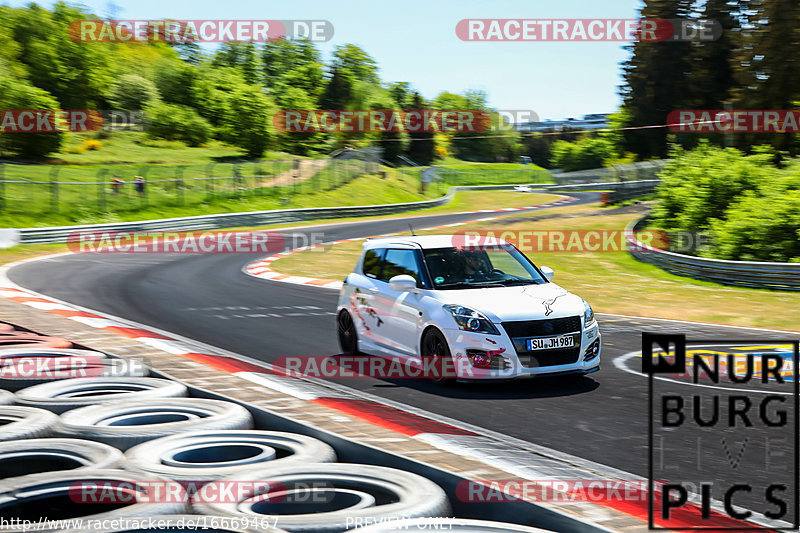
point(279, 216)
point(762, 275)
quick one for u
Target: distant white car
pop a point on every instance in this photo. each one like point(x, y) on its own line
point(482, 310)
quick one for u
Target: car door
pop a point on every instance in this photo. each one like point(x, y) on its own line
point(400, 311)
point(362, 297)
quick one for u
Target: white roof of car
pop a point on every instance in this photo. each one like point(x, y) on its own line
point(421, 241)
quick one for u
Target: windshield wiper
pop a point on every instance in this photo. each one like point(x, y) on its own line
point(508, 283)
point(456, 285)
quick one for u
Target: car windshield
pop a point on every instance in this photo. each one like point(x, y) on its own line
point(484, 266)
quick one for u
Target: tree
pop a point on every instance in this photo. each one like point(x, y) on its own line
point(769, 65)
point(16, 94)
point(655, 81)
point(132, 92)
point(421, 147)
point(338, 91)
point(177, 123)
point(251, 111)
point(175, 82)
point(356, 62)
point(77, 74)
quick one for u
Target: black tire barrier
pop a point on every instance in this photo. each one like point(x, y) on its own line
point(6, 397)
point(18, 422)
point(33, 456)
point(125, 424)
point(329, 497)
point(25, 366)
point(210, 455)
point(64, 395)
point(87, 494)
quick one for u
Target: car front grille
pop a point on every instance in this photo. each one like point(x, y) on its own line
point(521, 330)
point(542, 328)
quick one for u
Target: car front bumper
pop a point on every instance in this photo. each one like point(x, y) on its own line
point(508, 364)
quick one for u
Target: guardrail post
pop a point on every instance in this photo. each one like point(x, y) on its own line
point(179, 183)
point(210, 180)
point(101, 189)
point(54, 188)
point(143, 194)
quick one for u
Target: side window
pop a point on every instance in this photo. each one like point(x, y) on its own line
point(372, 262)
point(399, 262)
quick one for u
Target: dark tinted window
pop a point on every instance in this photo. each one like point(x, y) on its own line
point(398, 262)
point(372, 262)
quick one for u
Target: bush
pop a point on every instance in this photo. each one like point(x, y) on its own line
point(750, 207)
point(587, 153)
point(250, 120)
point(177, 123)
point(132, 93)
point(701, 184)
point(15, 94)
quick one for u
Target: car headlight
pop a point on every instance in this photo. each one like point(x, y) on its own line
point(588, 314)
point(471, 320)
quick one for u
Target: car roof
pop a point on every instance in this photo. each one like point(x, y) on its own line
point(420, 241)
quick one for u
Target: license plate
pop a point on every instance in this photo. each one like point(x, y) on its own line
point(551, 343)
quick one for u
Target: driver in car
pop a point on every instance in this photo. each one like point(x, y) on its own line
point(475, 266)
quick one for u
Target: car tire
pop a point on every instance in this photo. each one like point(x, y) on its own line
point(346, 332)
point(456, 525)
point(6, 397)
point(64, 395)
point(359, 491)
point(83, 358)
point(59, 495)
point(33, 456)
point(18, 422)
point(186, 522)
point(144, 420)
point(210, 455)
point(434, 345)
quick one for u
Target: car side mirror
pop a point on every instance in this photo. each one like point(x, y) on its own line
point(402, 283)
point(548, 272)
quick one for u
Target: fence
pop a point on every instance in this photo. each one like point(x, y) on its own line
point(38, 189)
point(781, 276)
point(645, 170)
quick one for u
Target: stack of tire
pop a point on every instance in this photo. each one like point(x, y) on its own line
point(129, 453)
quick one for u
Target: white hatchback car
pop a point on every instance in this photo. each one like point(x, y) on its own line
point(485, 310)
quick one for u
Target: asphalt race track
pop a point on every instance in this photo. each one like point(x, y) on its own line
point(602, 417)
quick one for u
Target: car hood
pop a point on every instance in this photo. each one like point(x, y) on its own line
point(524, 302)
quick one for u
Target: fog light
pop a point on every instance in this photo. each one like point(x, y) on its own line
point(487, 359)
point(592, 351)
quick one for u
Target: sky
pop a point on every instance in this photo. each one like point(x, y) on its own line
point(415, 41)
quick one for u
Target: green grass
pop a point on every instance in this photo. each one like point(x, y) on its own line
point(614, 282)
point(184, 181)
point(161, 202)
point(138, 148)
